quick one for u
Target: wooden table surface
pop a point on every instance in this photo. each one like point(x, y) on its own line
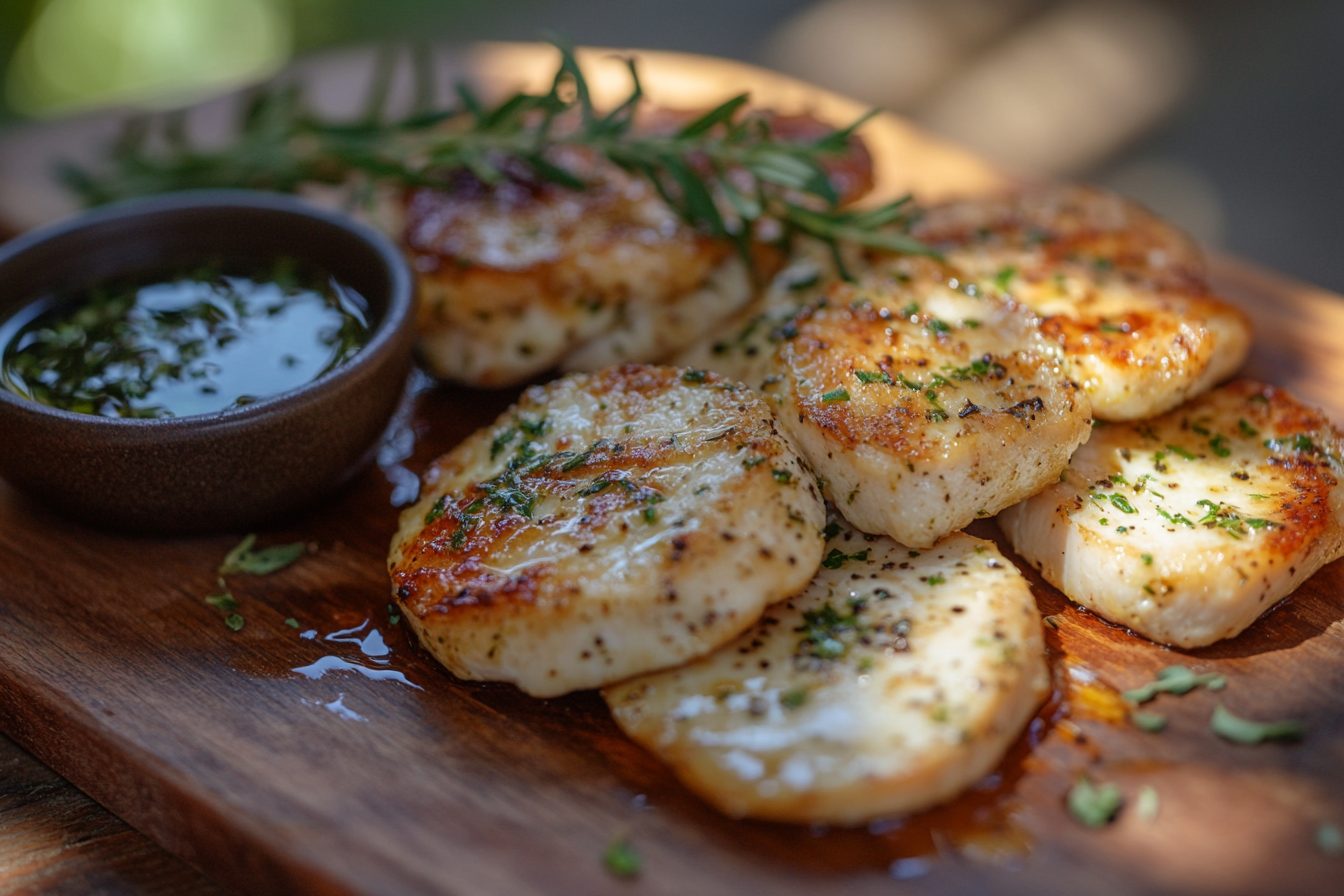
point(54, 839)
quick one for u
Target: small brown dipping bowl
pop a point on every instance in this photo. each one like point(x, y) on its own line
point(232, 469)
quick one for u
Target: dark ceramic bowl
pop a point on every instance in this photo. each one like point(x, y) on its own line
point(232, 469)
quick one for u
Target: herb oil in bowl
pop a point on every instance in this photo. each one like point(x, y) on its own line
point(183, 342)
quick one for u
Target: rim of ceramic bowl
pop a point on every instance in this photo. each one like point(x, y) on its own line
point(399, 306)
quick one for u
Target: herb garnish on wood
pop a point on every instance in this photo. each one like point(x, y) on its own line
point(722, 173)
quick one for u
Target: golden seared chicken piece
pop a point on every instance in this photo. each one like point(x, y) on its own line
point(606, 525)
point(1121, 291)
point(513, 277)
point(518, 277)
point(895, 681)
point(923, 405)
point(1187, 527)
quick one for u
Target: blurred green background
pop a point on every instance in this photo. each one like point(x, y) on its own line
point(1225, 115)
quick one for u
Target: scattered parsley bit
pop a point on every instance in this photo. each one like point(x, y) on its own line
point(910, 310)
point(1120, 503)
point(292, 622)
point(1247, 429)
point(1175, 680)
point(823, 631)
point(1093, 805)
point(783, 477)
point(234, 621)
point(836, 558)
point(436, 512)
point(499, 442)
point(1299, 442)
point(650, 513)
point(1181, 452)
point(939, 327)
point(1329, 840)
point(831, 530)
point(753, 462)
point(793, 699)
point(841, 394)
point(1004, 277)
point(262, 562)
point(971, 323)
point(534, 428)
point(223, 601)
point(621, 859)
point(1148, 804)
point(392, 616)
point(939, 413)
point(912, 553)
point(1108, 327)
point(693, 376)
point(1243, 731)
point(1178, 518)
point(1148, 721)
point(1219, 446)
point(937, 579)
point(1147, 559)
point(867, 376)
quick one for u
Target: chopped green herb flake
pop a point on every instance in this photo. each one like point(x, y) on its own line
point(1093, 805)
point(1247, 429)
point(1175, 520)
point(1243, 731)
point(243, 559)
point(837, 558)
point(693, 376)
point(1004, 277)
point(534, 428)
point(501, 441)
point(292, 623)
point(1219, 446)
point(831, 530)
point(222, 601)
point(1147, 559)
point(827, 633)
point(939, 327)
point(234, 621)
point(752, 462)
point(1148, 721)
point(622, 860)
point(437, 510)
point(783, 477)
point(1181, 452)
point(867, 376)
point(793, 699)
point(910, 310)
point(841, 394)
point(1119, 502)
point(937, 579)
point(1173, 680)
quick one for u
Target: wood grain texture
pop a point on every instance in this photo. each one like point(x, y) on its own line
point(115, 672)
point(54, 839)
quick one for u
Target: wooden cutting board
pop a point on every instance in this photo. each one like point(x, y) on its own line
point(116, 673)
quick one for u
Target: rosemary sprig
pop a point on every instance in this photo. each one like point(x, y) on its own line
point(722, 173)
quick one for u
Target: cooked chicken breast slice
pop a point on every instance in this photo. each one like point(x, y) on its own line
point(606, 525)
point(1120, 290)
point(514, 276)
point(521, 276)
point(1187, 527)
point(650, 331)
point(895, 681)
point(923, 406)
